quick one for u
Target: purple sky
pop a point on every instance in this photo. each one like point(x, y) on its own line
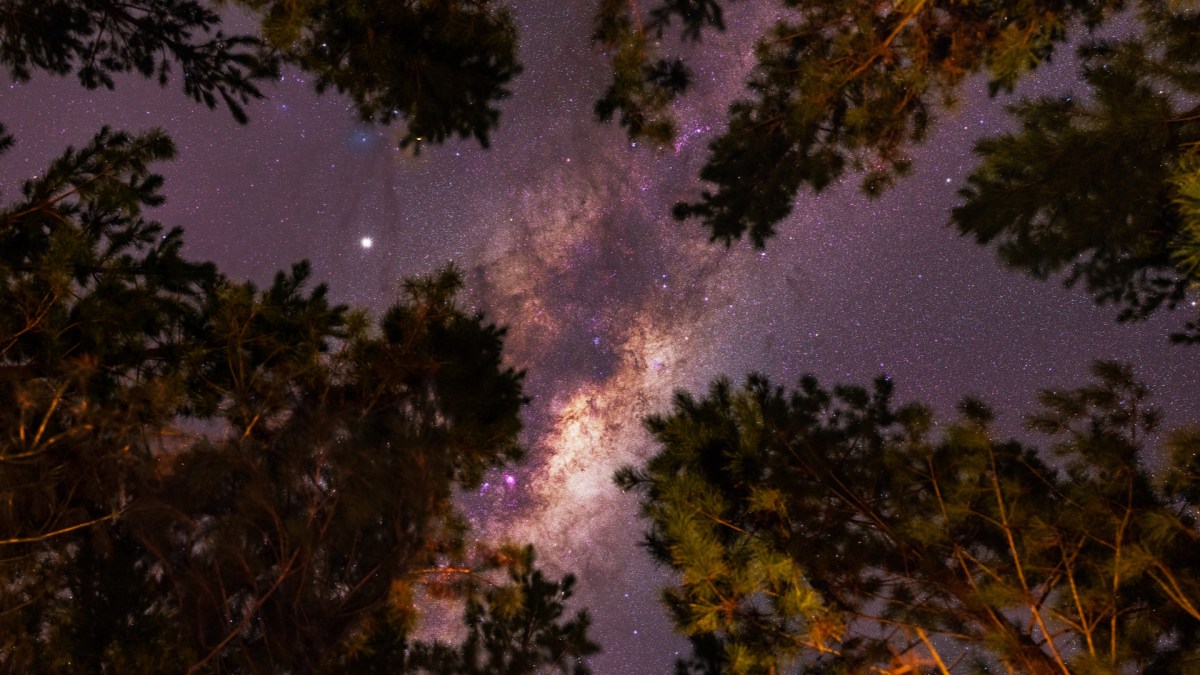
point(563, 230)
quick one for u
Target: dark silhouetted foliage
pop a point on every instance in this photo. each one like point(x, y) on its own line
point(839, 85)
point(1102, 185)
point(203, 475)
point(440, 67)
point(100, 39)
point(1097, 185)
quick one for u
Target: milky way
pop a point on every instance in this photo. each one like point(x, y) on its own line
point(562, 229)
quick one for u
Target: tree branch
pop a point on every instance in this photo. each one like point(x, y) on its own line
point(55, 533)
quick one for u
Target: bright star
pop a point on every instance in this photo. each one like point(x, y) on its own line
point(366, 242)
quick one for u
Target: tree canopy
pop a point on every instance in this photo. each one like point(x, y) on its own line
point(830, 531)
point(838, 85)
point(834, 531)
point(202, 474)
point(1100, 185)
point(100, 40)
point(1097, 185)
point(440, 67)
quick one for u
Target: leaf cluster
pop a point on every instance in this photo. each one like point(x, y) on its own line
point(645, 84)
point(98, 40)
point(838, 86)
point(837, 532)
point(442, 67)
point(203, 474)
point(514, 627)
point(1097, 186)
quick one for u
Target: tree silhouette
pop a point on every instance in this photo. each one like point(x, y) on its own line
point(833, 531)
point(204, 475)
point(838, 85)
point(440, 67)
point(1097, 185)
point(1101, 185)
point(100, 39)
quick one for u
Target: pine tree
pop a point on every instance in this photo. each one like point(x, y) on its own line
point(441, 67)
point(206, 476)
point(98, 40)
point(1101, 185)
point(838, 85)
point(512, 627)
point(834, 531)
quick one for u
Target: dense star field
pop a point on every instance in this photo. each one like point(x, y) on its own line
point(564, 234)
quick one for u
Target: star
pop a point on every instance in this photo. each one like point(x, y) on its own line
point(366, 242)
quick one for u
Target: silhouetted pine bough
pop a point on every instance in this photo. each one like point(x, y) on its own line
point(294, 533)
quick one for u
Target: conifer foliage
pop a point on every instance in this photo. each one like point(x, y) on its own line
point(842, 85)
point(1100, 185)
point(440, 67)
point(100, 40)
point(202, 475)
point(834, 530)
point(514, 628)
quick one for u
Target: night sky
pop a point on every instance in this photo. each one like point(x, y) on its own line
point(563, 231)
